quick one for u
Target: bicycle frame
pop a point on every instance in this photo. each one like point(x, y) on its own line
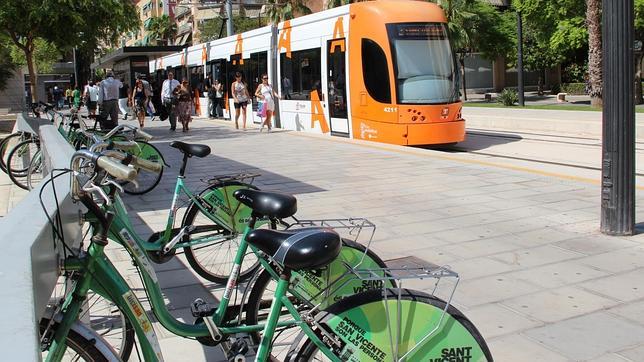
point(215, 213)
point(99, 274)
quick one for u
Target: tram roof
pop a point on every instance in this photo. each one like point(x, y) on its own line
point(151, 52)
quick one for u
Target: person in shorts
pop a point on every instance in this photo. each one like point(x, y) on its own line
point(240, 97)
point(92, 98)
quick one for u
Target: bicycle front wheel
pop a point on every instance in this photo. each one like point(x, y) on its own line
point(79, 348)
point(146, 180)
point(7, 144)
point(366, 324)
point(34, 173)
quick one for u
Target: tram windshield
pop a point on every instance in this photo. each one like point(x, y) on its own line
point(425, 68)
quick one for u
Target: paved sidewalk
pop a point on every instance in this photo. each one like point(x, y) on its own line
point(538, 279)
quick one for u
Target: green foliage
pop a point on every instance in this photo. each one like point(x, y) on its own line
point(553, 31)
point(639, 20)
point(210, 28)
point(508, 97)
point(574, 73)
point(574, 88)
point(45, 55)
point(7, 66)
point(162, 29)
point(280, 10)
point(475, 25)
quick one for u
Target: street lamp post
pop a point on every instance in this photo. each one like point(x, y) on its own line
point(520, 59)
point(618, 141)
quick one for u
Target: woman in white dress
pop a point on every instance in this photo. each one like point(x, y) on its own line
point(266, 93)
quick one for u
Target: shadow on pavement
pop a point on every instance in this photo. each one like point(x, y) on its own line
point(476, 140)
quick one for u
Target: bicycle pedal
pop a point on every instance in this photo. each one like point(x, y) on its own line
point(199, 308)
point(238, 350)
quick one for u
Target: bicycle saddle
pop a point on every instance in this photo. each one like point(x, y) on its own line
point(301, 249)
point(191, 149)
point(271, 204)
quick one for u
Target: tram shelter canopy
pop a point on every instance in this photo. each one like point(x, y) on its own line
point(138, 52)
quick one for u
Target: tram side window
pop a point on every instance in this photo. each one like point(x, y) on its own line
point(375, 71)
point(301, 74)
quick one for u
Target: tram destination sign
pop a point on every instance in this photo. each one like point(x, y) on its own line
point(434, 31)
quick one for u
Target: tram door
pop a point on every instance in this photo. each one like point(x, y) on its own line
point(337, 87)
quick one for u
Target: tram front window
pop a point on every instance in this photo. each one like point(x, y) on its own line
point(425, 69)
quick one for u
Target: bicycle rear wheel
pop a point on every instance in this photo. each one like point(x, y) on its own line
point(34, 173)
point(360, 322)
point(6, 145)
point(19, 160)
point(214, 260)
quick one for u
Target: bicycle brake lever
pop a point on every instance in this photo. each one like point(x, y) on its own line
point(101, 193)
point(111, 182)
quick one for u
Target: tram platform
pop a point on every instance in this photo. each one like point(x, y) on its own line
point(537, 278)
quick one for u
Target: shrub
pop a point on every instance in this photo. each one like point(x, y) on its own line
point(574, 73)
point(508, 97)
point(574, 88)
point(555, 89)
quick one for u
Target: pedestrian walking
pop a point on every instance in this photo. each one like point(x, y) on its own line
point(184, 108)
point(92, 98)
point(286, 87)
point(124, 100)
point(69, 95)
point(148, 94)
point(59, 97)
point(240, 97)
point(267, 94)
point(218, 97)
point(108, 97)
point(167, 94)
point(76, 97)
point(139, 99)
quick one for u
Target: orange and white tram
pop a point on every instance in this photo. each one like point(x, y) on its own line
point(382, 71)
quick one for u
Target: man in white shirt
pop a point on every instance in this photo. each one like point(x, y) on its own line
point(92, 97)
point(108, 96)
point(166, 95)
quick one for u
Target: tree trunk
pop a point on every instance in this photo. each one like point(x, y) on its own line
point(593, 22)
point(638, 79)
point(461, 61)
point(33, 77)
point(542, 75)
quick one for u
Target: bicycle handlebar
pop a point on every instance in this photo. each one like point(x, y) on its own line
point(108, 164)
point(135, 161)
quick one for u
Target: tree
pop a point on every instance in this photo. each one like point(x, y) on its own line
point(162, 29)
point(280, 10)
point(475, 25)
point(211, 28)
point(45, 55)
point(91, 22)
point(7, 66)
point(593, 22)
point(554, 30)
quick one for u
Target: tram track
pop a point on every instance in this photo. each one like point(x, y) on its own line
point(474, 146)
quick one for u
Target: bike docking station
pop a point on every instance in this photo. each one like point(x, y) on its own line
point(31, 257)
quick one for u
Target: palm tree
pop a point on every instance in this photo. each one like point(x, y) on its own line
point(593, 22)
point(280, 10)
point(162, 29)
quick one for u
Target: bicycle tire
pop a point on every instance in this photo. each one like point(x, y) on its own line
point(258, 298)
point(18, 164)
point(34, 173)
point(78, 347)
point(147, 180)
point(6, 145)
point(456, 327)
point(206, 268)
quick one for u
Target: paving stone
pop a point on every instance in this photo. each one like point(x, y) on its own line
point(559, 304)
point(536, 256)
point(591, 245)
point(495, 320)
point(559, 274)
point(632, 354)
point(617, 260)
point(625, 287)
point(633, 311)
point(474, 292)
point(515, 347)
point(480, 267)
point(602, 333)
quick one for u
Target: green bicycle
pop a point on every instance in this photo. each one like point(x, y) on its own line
point(377, 325)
